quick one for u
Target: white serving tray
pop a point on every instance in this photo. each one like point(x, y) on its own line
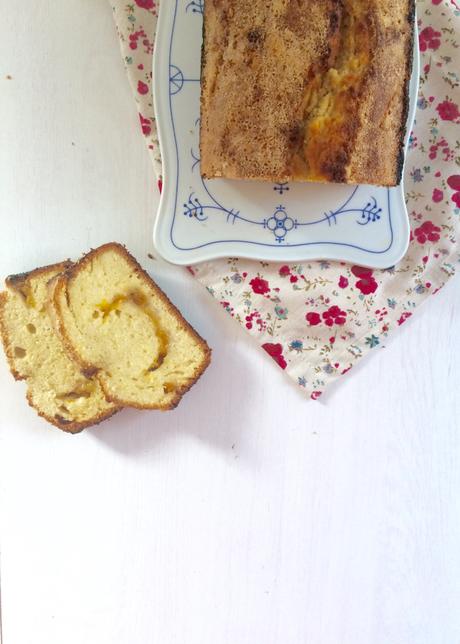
point(200, 220)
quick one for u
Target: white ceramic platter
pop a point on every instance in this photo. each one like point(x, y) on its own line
point(201, 220)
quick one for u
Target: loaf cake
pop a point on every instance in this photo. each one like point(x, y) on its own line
point(56, 387)
point(305, 90)
point(120, 327)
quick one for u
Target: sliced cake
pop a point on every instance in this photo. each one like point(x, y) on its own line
point(56, 387)
point(119, 326)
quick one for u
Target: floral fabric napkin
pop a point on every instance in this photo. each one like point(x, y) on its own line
point(318, 319)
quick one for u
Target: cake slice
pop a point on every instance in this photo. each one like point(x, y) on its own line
point(119, 326)
point(305, 90)
point(56, 388)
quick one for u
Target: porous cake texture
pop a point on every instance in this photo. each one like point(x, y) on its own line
point(306, 90)
point(56, 386)
point(121, 328)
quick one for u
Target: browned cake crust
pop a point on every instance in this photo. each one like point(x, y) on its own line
point(306, 90)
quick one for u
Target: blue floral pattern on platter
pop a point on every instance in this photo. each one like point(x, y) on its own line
point(280, 223)
point(272, 221)
point(195, 6)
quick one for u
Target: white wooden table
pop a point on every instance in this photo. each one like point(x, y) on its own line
point(248, 515)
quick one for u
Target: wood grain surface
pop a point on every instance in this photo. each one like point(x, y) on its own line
point(248, 515)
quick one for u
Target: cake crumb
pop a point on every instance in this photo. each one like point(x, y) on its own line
point(8, 77)
point(150, 256)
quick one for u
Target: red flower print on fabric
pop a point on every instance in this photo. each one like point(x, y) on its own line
point(145, 125)
point(134, 37)
point(275, 351)
point(367, 283)
point(427, 232)
point(313, 318)
point(142, 88)
point(343, 282)
point(429, 39)
point(448, 111)
point(361, 271)
point(454, 183)
point(404, 317)
point(259, 285)
point(334, 315)
point(441, 147)
point(284, 271)
point(255, 317)
point(437, 195)
point(145, 4)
